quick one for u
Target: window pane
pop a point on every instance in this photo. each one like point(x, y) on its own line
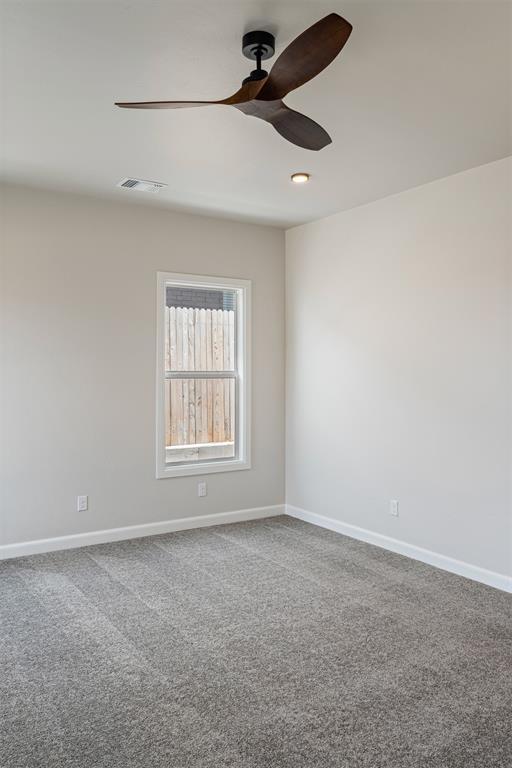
point(199, 419)
point(198, 335)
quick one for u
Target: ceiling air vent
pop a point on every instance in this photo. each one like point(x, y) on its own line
point(142, 185)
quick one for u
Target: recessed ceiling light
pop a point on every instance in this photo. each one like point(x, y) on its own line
point(300, 178)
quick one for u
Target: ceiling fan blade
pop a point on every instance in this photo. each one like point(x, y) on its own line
point(248, 91)
point(306, 56)
point(293, 126)
point(164, 104)
point(299, 129)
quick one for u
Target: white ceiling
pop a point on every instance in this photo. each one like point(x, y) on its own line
point(422, 90)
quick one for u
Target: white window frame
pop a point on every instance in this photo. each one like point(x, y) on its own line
point(242, 458)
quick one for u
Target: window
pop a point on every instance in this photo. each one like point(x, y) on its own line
point(202, 374)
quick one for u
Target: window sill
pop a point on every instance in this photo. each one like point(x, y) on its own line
point(202, 468)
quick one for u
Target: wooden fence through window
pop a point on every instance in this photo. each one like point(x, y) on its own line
point(199, 410)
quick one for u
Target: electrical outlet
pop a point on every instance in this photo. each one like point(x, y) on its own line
point(202, 489)
point(82, 503)
point(393, 507)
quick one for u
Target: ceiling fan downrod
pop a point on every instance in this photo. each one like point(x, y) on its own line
point(258, 46)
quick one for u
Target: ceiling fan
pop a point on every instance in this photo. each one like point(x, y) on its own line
point(261, 93)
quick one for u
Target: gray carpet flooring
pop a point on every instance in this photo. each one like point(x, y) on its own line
point(269, 644)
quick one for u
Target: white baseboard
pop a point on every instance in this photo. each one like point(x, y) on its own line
point(135, 531)
point(474, 572)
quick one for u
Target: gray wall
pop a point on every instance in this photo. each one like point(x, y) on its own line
point(77, 409)
point(399, 385)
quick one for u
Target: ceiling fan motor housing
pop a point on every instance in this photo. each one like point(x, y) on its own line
point(258, 44)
